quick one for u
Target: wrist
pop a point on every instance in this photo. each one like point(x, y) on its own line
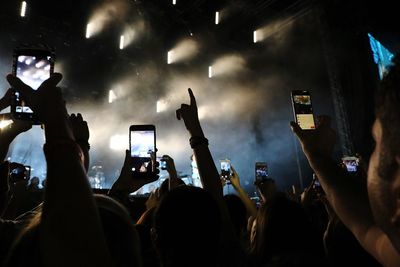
point(196, 141)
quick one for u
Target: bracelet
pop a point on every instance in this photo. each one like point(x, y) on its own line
point(195, 141)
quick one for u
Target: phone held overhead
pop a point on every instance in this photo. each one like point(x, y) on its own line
point(142, 147)
point(33, 66)
point(302, 109)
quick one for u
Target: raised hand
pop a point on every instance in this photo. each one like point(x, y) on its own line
point(80, 128)
point(235, 180)
point(318, 142)
point(190, 116)
point(47, 101)
point(127, 183)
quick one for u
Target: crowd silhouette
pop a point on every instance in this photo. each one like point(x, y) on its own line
point(340, 219)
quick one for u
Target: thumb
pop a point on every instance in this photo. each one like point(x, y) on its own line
point(296, 129)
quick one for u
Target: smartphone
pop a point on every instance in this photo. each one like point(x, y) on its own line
point(19, 172)
point(261, 171)
point(351, 163)
point(142, 144)
point(226, 169)
point(302, 109)
point(33, 67)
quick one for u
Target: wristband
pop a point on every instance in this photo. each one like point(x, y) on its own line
point(195, 141)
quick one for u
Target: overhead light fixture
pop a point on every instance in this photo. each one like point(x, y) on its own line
point(255, 37)
point(121, 42)
point(23, 9)
point(210, 72)
point(217, 18)
point(174, 2)
point(88, 31)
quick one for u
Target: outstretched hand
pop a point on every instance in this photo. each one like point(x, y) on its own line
point(190, 116)
point(79, 127)
point(235, 180)
point(126, 182)
point(318, 142)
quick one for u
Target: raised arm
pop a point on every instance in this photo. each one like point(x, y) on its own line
point(210, 178)
point(70, 228)
point(207, 170)
point(347, 195)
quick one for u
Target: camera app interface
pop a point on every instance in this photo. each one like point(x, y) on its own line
point(304, 112)
point(225, 168)
point(142, 146)
point(33, 71)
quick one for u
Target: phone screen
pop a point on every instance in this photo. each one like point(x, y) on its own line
point(33, 68)
point(142, 145)
point(261, 171)
point(302, 107)
point(351, 163)
point(225, 168)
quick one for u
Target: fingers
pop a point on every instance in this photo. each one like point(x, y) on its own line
point(178, 114)
point(54, 79)
point(192, 98)
point(16, 83)
point(296, 129)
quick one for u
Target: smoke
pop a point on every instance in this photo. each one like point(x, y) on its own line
point(184, 50)
point(109, 11)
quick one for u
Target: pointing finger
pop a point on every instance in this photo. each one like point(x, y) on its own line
point(192, 98)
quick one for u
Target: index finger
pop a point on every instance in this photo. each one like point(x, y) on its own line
point(192, 98)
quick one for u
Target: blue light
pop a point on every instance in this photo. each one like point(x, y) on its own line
point(382, 56)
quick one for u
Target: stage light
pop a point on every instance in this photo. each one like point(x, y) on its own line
point(174, 2)
point(169, 58)
point(118, 142)
point(210, 72)
point(121, 42)
point(255, 37)
point(5, 123)
point(88, 31)
point(217, 17)
point(162, 105)
point(111, 96)
point(23, 9)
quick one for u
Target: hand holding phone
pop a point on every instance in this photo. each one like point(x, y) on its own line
point(32, 67)
point(302, 109)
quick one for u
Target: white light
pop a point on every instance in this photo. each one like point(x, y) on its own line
point(118, 142)
point(88, 31)
point(162, 105)
point(111, 96)
point(210, 72)
point(174, 2)
point(23, 9)
point(5, 123)
point(217, 17)
point(255, 36)
point(121, 42)
point(40, 64)
point(169, 59)
point(47, 67)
